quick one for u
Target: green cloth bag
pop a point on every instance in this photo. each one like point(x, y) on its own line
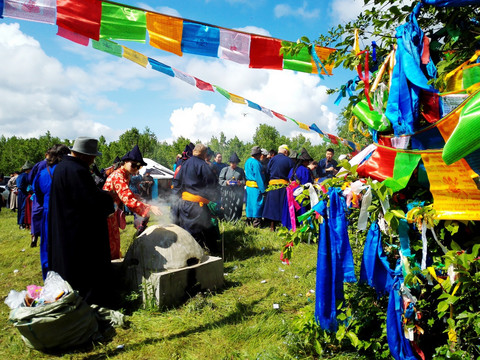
point(66, 323)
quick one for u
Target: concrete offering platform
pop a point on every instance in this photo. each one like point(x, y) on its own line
point(169, 266)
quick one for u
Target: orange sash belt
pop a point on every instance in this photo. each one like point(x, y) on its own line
point(194, 198)
point(278, 182)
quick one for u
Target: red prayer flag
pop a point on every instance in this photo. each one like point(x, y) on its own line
point(265, 53)
point(333, 139)
point(80, 16)
point(380, 165)
point(70, 35)
point(202, 85)
point(280, 116)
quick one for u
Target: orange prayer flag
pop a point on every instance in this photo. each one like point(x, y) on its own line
point(237, 99)
point(323, 53)
point(135, 56)
point(303, 126)
point(165, 32)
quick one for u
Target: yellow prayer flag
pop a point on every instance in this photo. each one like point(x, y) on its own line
point(455, 194)
point(237, 99)
point(135, 56)
point(303, 126)
point(356, 45)
point(165, 32)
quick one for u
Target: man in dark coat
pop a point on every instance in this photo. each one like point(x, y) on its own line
point(197, 187)
point(328, 167)
point(79, 248)
point(277, 172)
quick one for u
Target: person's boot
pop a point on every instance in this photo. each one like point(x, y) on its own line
point(34, 241)
point(272, 226)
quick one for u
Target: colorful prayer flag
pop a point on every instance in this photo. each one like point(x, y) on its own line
point(184, 77)
point(315, 128)
point(455, 194)
point(303, 126)
point(122, 23)
point(202, 85)
point(33, 10)
point(253, 105)
point(333, 139)
point(165, 32)
point(70, 35)
point(379, 166)
point(222, 91)
point(81, 17)
point(323, 53)
point(108, 47)
point(280, 116)
point(405, 164)
point(156, 65)
point(234, 46)
point(135, 56)
point(237, 99)
point(200, 39)
point(299, 62)
point(266, 111)
point(265, 53)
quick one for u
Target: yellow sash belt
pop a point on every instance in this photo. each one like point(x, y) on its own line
point(278, 182)
point(251, 183)
point(194, 198)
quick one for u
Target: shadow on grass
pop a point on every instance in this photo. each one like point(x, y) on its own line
point(242, 311)
point(239, 244)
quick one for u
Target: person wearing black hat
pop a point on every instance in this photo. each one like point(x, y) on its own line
point(299, 175)
point(196, 209)
point(232, 181)
point(78, 248)
point(255, 184)
point(117, 184)
point(22, 193)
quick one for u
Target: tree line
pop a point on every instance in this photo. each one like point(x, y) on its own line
point(15, 151)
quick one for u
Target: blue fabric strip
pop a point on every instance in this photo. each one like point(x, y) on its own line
point(315, 128)
point(451, 3)
point(156, 65)
point(1, 9)
point(318, 63)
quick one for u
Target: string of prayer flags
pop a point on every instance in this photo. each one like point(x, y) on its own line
point(165, 32)
point(40, 10)
point(158, 66)
point(123, 23)
point(81, 17)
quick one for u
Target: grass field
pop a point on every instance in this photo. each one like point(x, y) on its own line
point(237, 322)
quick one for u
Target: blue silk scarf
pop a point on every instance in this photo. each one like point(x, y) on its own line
point(334, 260)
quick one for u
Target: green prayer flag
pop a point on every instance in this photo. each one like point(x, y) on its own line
point(405, 164)
point(123, 23)
point(108, 47)
point(300, 62)
point(222, 91)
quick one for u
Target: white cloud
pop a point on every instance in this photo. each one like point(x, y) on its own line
point(283, 10)
point(254, 30)
point(343, 11)
point(160, 9)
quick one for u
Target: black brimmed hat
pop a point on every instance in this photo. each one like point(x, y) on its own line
point(304, 155)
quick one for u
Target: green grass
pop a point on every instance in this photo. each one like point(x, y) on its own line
point(237, 322)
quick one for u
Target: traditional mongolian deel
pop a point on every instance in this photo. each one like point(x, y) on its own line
point(255, 188)
point(277, 171)
point(232, 182)
point(196, 185)
point(78, 234)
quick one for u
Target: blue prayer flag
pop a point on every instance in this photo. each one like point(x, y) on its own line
point(200, 39)
point(254, 106)
point(451, 3)
point(1, 9)
point(315, 128)
point(156, 65)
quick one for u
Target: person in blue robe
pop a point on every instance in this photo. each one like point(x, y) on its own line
point(302, 175)
point(197, 189)
point(37, 210)
point(42, 184)
point(277, 171)
point(255, 186)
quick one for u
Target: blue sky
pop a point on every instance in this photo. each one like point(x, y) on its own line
point(49, 83)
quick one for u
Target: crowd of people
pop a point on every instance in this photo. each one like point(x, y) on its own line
point(77, 211)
